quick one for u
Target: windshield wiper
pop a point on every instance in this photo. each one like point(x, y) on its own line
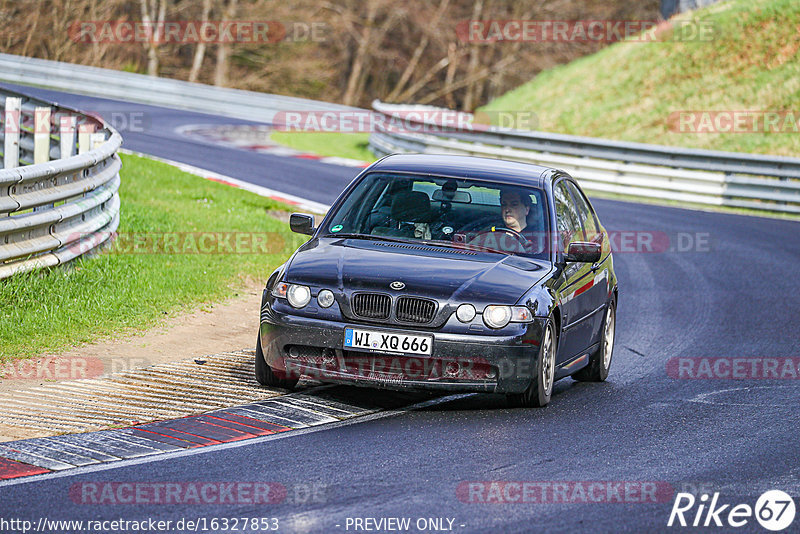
point(468, 246)
point(447, 244)
point(371, 237)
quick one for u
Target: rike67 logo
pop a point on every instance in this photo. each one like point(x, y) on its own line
point(774, 510)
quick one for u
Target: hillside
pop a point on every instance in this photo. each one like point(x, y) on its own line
point(641, 91)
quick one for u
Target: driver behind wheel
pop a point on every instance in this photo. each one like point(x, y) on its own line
point(514, 209)
point(521, 214)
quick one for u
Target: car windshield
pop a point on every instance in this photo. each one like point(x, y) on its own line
point(479, 215)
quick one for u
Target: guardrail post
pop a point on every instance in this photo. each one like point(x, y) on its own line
point(97, 139)
point(41, 141)
point(11, 124)
point(85, 138)
point(67, 127)
point(41, 135)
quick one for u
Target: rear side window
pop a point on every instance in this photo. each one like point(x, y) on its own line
point(585, 213)
point(568, 220)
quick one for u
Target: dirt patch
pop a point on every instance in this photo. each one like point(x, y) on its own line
point(211, 329)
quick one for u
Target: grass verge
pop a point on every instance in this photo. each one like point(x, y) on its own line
point(342, 145)
point(127, 288)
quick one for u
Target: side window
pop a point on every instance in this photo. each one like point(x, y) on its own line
point(585, 213)
point(569, 226)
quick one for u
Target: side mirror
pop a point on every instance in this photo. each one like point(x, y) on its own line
point(583, 252)
point(301, 223)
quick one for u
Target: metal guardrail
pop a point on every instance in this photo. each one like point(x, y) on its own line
point(151, 90)
point(58, 183)
point(770, 183)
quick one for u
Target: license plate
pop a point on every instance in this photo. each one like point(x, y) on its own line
point(377, 340)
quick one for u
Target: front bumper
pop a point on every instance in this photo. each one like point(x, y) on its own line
point(311, 346)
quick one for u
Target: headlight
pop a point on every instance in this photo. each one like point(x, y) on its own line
point(497, 316)
point(298, 296)
point(465, 313)
point(500, 316)
point(325, 298)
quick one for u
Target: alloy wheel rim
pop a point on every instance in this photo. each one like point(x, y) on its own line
point(547, 363)
point(609, 337)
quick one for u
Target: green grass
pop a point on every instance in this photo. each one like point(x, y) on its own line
point(113, 293)
point(343, 145)
point(628, 90)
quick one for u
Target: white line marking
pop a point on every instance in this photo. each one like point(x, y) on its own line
point(703, 398)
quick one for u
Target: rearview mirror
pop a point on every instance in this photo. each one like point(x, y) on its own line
point(301, 223)
point(461, 197)
point(583, 252)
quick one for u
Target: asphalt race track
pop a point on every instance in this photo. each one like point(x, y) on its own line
point(732, 294)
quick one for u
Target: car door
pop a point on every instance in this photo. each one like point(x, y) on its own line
point(575, 305)
point(596, 288)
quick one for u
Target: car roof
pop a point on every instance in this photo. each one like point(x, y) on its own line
point(467, 167)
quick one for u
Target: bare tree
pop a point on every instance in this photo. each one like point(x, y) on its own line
point(474, 53)
point(200, 50)
point(154, 13)
point(223, 49)
point(415, 57)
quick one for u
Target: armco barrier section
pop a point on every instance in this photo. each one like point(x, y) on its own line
point(770, 183)
point(58, 183)
point(152, 90)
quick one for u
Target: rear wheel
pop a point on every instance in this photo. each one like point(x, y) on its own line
point(266, 376)
point(600, 361)
point(541, 387)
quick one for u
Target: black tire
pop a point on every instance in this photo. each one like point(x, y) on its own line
point(599, 365)
point(538, 394)
point(266, 376)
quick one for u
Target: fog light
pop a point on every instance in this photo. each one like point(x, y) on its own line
point(328, 357)
point(465, 313)
point(298, 296)
point(325, 298)
point(452, 369)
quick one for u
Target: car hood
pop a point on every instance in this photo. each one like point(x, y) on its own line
point(446, 274)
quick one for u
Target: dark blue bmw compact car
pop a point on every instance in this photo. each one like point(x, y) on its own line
point(446, 273)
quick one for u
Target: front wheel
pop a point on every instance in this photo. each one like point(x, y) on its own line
point(600, 362)
point(541, 387)
point(266, 376)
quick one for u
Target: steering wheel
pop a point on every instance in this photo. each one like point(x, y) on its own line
point(523, 241)
point(483, 222)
